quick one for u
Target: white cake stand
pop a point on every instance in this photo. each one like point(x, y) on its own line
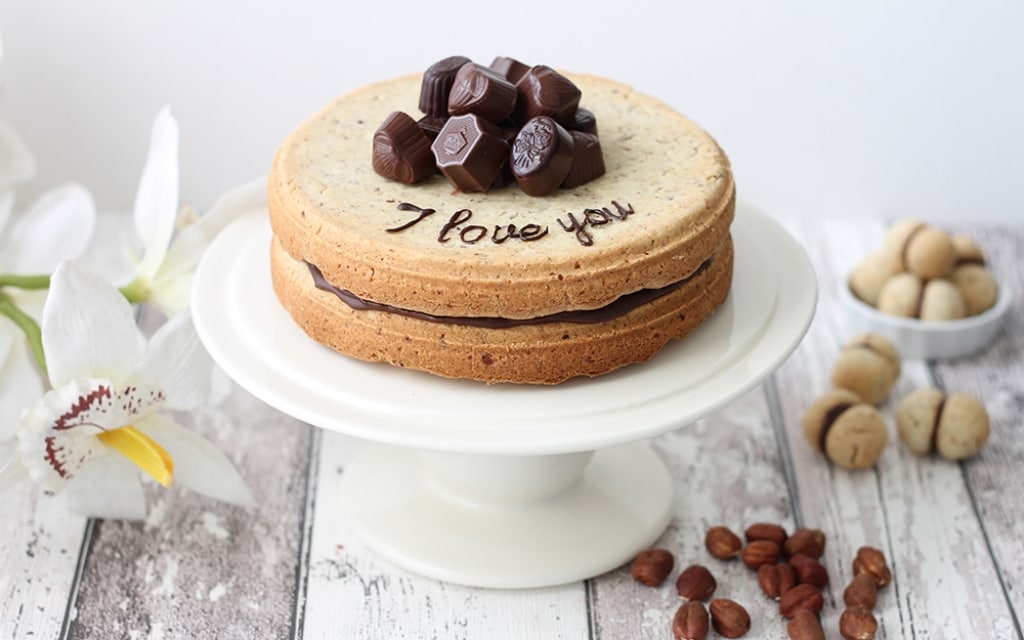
point(505, 485)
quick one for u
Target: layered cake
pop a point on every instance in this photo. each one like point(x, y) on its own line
point(518, 253)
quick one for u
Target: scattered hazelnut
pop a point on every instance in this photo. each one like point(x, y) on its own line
point(941, 301)
point(652, 566)
point(871, 561)
point(861, 592)
point(858, 623)
point(722, 543)
point(802, 596)
point(696, 583)
point(766, 531)
point(728, 618)
point(809, 542)
point(691, 622)
point(805, 626)
point(956, 426)
point(808, 570)
point(978, 287)
point(760, 552)
point(869, 275)
point(852, 434)
point(869, 366)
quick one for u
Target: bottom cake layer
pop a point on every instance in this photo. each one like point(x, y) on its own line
point(542, 353)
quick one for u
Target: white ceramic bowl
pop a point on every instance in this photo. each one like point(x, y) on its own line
point(928, 340)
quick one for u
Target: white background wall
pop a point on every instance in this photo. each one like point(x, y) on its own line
point(826, 108)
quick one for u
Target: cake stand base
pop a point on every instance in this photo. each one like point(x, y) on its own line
point(508, 521)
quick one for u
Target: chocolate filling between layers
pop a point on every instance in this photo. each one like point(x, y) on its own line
point(618, 308)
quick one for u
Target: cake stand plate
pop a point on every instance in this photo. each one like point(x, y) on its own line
point(505, 485)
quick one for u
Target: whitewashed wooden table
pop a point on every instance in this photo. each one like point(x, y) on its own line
point(292, 568)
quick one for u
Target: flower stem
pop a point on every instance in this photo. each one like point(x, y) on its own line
point(24, 282)
point(28, 326)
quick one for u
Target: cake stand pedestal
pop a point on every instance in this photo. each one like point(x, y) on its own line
point(505, 486)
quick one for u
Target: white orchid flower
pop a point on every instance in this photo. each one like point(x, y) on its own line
point(102, 417)
point(164, 274)
point(29, 251)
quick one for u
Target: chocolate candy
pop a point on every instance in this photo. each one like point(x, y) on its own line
point(587, 160)
point(545, 92)
point(510, 68)
point(482, 91)
point(437, 84)
point(431, 126)
point(401, 151)
point(470, 152)
point(584, 121)
point(541, 156)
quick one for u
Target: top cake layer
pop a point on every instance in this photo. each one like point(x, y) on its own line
point(662, 208)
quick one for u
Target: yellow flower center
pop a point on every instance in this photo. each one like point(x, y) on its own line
point(143, 451)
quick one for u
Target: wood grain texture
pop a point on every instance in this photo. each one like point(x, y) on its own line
point(996, 377)
point(728, 471)
point(917, 510)
point(353, 594)
point(197, 568)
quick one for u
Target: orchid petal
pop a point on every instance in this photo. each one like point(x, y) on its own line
point(176, 362)
point(16, 162)
point(172, 296)
point(198, 464)
point(56, 227)
point(108, 487)
point(7, 339)
point(156, 202)
point(19, 384)
point(188, 247)
point(88, 328)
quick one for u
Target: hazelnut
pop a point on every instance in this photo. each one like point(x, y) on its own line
point(691, 622)
point(978, 287)
point(728, 618)
point(869, 365)
point(802, 596)
point(941, 301)
point(966, 250)
point(901, 295)
point(956, 426)
point(869, 275)
point(766, 531)
point(760, 552)
point(852, 434)
point(862, 591)
point(722, 543)
point(871, 561)
point(696, 583)
point(805, 626)
point(808, 570)
point(809, 542)
point(652, 566)
point(858, 623)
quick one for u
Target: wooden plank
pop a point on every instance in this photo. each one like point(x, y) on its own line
point(197, 568)
point(353, 594)
point(39, 546)
point(728, 471)
point(996, 376)
point(917, 510)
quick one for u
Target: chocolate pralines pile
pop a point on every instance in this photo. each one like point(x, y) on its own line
point(486, 127)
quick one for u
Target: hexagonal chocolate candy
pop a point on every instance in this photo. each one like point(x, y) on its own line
point(470, 152)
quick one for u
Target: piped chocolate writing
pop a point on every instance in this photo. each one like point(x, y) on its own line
point(618, 308)
point(459, 225)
